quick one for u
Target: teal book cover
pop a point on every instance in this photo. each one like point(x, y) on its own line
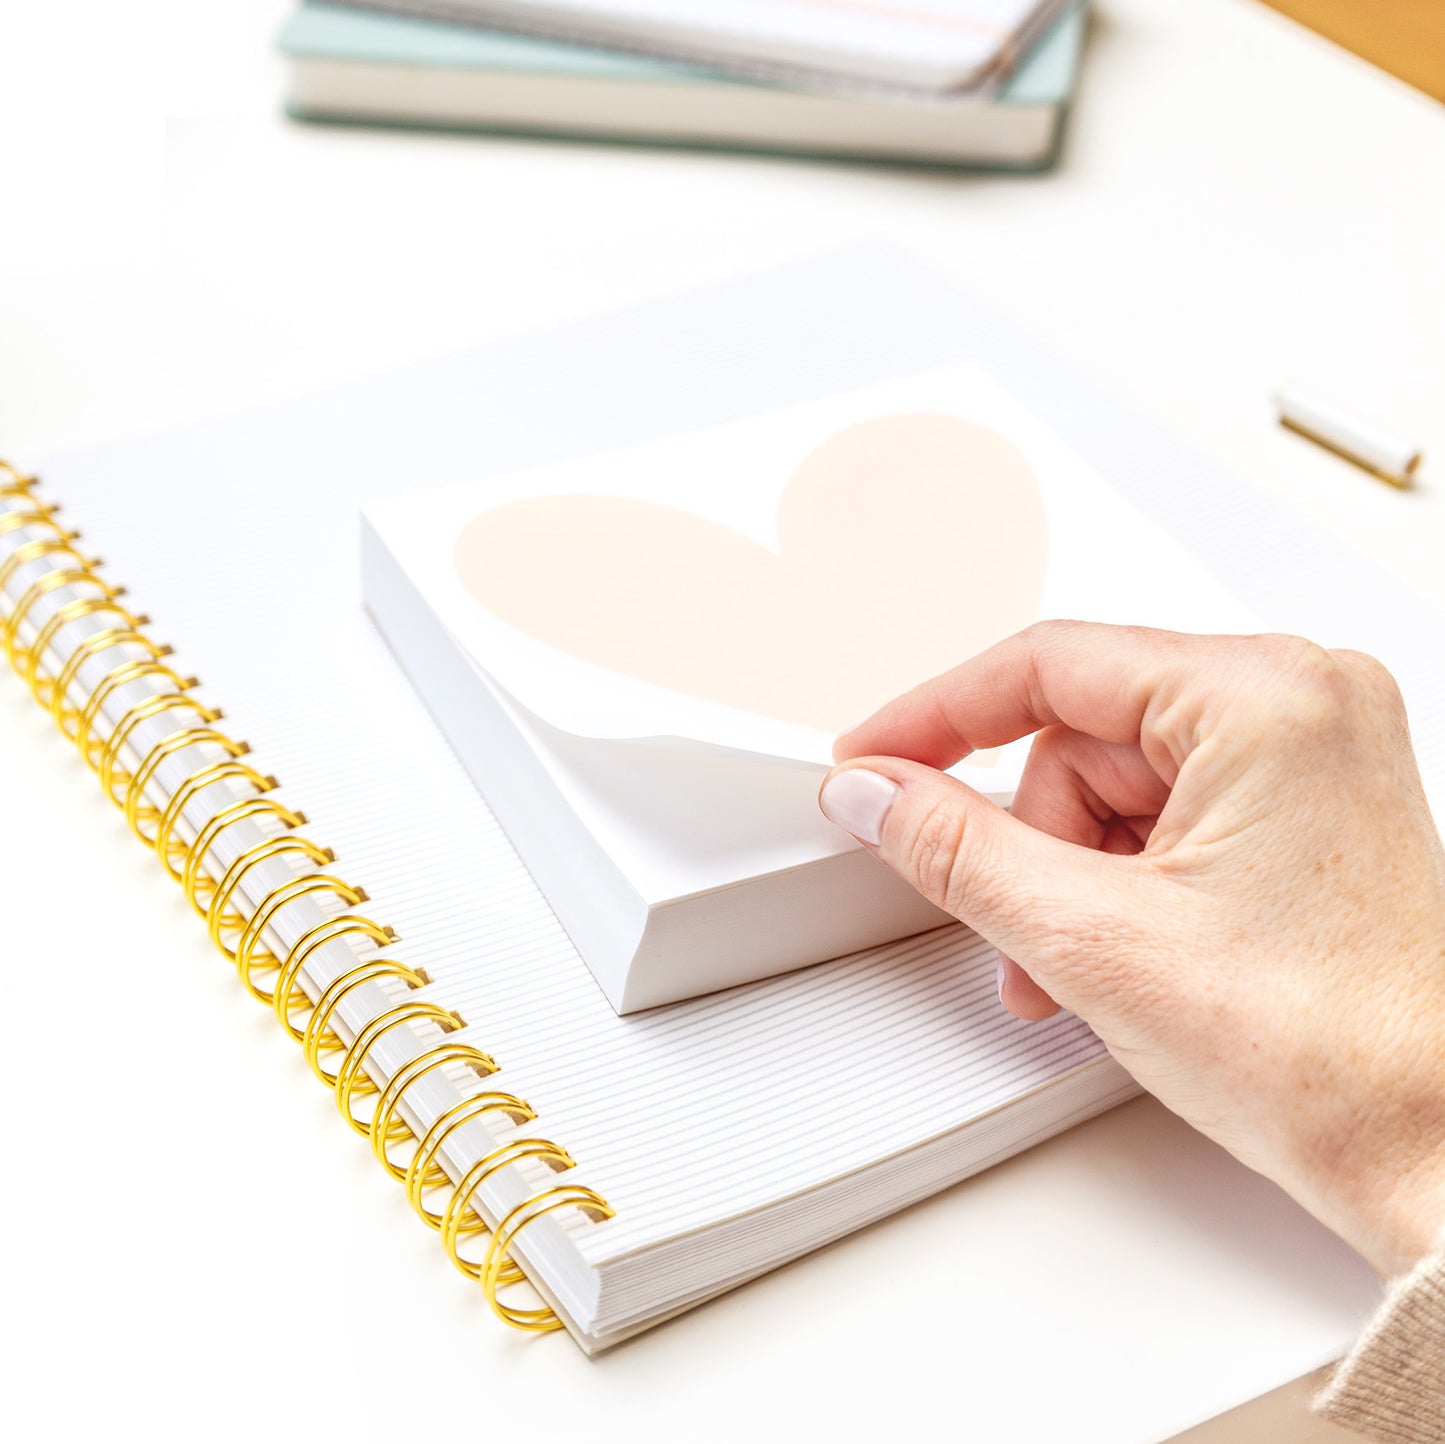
point(372, 45)
point(334, 32)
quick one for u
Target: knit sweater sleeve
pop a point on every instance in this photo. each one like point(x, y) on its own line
point(1391, 1386)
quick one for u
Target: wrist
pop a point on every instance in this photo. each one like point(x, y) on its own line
point(1405, 1223)
point(1384, 1189)
point(1349, 1113)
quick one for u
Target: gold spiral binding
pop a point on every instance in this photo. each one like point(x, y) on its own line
point(218, 920)
point(19, 484)
point(498, 1261)
point(41, 686)
point(351, 1079)
point(26, 552)
point(169, 847)
point(288, 980)
point(318, 1040)
point(110, 772)
point(187, 863)
point(137, 810)
point(248, 959)
point(456, 1225)
point(90, 748)
point(61, 709)
point(195, 883)
point(424, 1171)
point(19, 520)
point(44, 584)
point(386, 1128)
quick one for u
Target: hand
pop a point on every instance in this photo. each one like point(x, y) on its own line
point(1221, 857)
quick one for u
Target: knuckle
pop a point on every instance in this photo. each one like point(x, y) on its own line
point(938, 861)
point(1322, 694)
point(934, 849)
point(1311, 688)
point(1052, 634)
point(1050, 743)
point(1042, 631)
point(1372, 677)
point(1303, 663)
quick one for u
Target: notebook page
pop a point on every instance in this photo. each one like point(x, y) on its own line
point(660, 1110)
point(268, 606)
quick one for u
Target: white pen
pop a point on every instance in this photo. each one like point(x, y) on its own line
point(1381, 452)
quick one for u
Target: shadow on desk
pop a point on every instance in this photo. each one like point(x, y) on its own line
point(1115, 1285)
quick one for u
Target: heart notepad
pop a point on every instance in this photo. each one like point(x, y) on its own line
point(643, 657)
point(759, 587)
point(903, 543)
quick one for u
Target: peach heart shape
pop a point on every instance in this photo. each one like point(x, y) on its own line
point(906, 544)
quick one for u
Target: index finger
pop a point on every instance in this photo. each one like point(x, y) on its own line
point(1098, 679)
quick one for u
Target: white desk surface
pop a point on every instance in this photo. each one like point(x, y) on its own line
point(1240, 203)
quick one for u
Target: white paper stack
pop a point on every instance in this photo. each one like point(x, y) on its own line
point(643, 657)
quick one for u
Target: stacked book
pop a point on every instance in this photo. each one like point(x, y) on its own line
point(955, 83)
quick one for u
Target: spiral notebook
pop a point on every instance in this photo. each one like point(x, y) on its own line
point(624, 1168)
point(442, 1002)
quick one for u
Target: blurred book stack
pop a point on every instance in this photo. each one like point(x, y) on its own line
point(956, 83)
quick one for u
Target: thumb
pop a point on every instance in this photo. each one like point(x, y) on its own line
point(1046, 903)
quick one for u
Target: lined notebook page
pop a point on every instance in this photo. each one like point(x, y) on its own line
point(240, 539)
point(680, 1117)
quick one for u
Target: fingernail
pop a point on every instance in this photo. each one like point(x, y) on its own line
point(859, 802)
point(1002, 974)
